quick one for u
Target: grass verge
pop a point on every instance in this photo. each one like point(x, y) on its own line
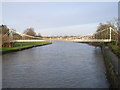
point(23, 45)
point(115, 49)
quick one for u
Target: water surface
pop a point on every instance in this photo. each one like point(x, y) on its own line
point(59, 65)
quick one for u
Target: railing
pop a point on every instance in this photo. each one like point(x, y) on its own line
point(28, 41)
point(20, 36)
point(106, 35)
point(93, 40)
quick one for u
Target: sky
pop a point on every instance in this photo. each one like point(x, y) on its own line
point(58, 18)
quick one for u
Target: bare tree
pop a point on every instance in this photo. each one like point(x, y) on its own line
point(4, 35)
point(104, 26)
point(5, 39)
point(3, 29)
point(30, 31)
point(39, 35)
point(115, 22)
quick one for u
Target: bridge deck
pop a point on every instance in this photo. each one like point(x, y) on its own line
point(76, 40)
point(92, 40)
point(28, 41)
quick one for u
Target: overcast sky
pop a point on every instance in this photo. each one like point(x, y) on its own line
point(60, 18)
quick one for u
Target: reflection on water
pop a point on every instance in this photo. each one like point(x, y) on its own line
point(59, 65)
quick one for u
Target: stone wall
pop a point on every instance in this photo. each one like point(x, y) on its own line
point(111, 63)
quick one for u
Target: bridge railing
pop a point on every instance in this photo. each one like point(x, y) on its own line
point(18, 36)
point(108, 33)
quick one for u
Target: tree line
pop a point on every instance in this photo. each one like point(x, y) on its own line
point(5, 35)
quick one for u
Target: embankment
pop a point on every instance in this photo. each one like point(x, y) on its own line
point(111, 63)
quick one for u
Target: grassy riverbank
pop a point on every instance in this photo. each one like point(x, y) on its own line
point(115, 49)
point(23, 45)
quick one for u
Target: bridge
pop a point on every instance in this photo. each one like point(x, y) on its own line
point(28, 41)
point(18, 37)
point(93, 40)
point(106, 35)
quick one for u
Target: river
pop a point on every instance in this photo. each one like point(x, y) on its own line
point(58, 65)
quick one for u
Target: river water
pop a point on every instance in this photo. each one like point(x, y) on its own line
point(58, 65)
